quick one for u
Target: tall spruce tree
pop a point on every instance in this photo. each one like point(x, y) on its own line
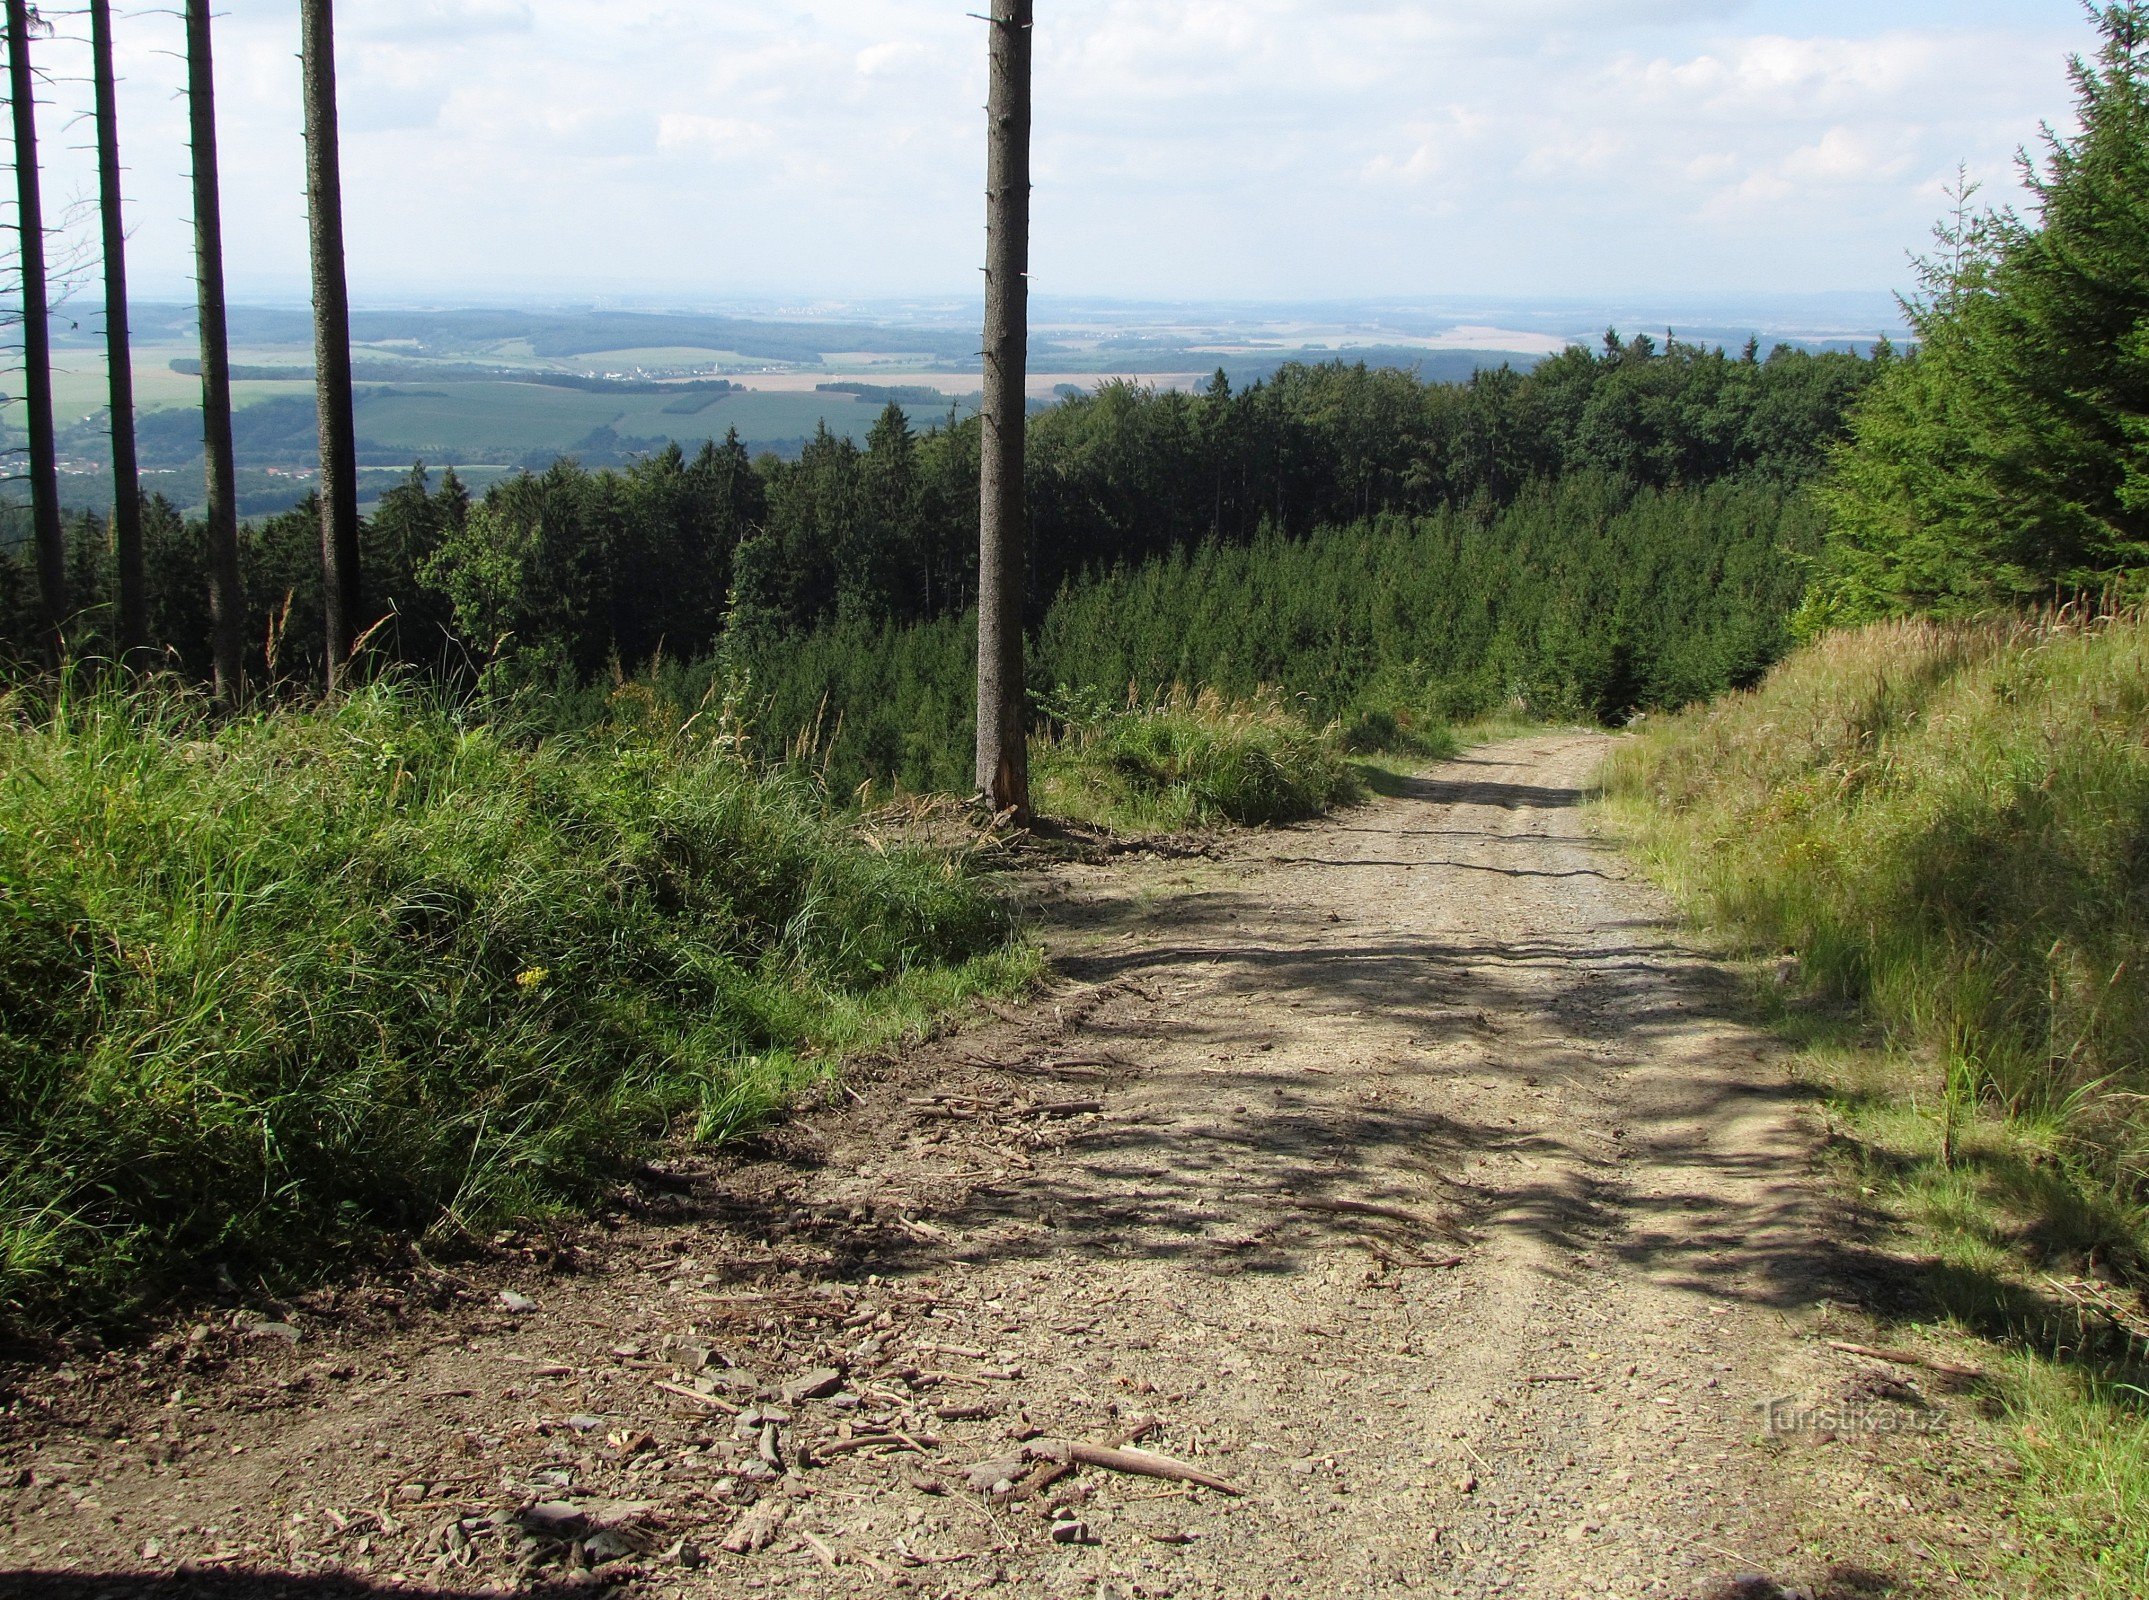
point(2008, 456)
point(119, 355)
point(227, 601)
point(2068, 367)
point(1003, 763)
point(50, 541)
point(331, 338)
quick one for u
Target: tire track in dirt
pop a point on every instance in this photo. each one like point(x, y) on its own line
point(1421, 1182)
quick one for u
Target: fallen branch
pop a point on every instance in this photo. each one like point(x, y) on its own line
point(1907, 1358)
point(1041, 1476)
point(1419, 1263)
point(1139, 1463)
point(698, 1397)
point(866, 1441)
point(2102, 1299)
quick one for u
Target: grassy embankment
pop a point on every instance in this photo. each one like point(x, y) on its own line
point(278, 989)
point(1949, 826)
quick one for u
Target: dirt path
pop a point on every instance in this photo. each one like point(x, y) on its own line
point(1402, 1170)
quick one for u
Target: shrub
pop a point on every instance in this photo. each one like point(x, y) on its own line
point(1192, 760)
point(275, 987)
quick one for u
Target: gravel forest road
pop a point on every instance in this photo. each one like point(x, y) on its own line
point(1404, 1170)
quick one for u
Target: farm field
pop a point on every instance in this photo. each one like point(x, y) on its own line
point(443, 387)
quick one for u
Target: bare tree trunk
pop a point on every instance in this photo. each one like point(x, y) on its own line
point(331, 337)
point(227, 605)
point(51, 545)
point(119, 353)
point(1003, 758)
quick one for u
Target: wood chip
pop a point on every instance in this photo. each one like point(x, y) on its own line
point(814, 1385)
point(757, 1527)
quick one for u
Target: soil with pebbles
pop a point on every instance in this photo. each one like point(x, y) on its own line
point(1405, 1172)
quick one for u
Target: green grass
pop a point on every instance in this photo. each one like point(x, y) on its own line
point(277, 989)
point(1951, 824)
point(1948, 826)
point(1190, 761)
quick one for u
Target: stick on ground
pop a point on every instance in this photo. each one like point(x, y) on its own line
point(1907, 1358)
point(1140, 1463)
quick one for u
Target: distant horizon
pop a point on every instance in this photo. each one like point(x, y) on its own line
point(1837, 313)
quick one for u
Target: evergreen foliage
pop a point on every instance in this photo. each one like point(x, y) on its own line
point(1585, 599)
point(2009, 455)
point(558, 578)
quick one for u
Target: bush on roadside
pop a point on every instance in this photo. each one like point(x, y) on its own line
point(276, 987)
point(1193, 760)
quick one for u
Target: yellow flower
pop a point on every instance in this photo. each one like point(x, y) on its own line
point(531, 978)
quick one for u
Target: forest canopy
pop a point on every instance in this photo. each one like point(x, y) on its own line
point(564, 577)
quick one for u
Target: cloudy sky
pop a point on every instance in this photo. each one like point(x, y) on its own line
point(1205, 150)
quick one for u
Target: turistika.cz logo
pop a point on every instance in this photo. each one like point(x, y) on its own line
point(1788, 1418)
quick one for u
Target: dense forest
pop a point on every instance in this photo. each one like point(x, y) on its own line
point(1567, 536)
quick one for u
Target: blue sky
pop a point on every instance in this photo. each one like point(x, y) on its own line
point(825, 150)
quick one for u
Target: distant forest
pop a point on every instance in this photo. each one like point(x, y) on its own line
point(1598, 464)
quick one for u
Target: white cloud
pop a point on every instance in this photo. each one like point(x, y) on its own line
point(1202, 149)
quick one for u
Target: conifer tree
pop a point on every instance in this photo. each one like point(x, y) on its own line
point(2069, 360)
point(2009, 455)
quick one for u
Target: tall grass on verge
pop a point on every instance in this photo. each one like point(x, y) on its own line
point(276, 987)
point(1191, 760)
point(1948, 824)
